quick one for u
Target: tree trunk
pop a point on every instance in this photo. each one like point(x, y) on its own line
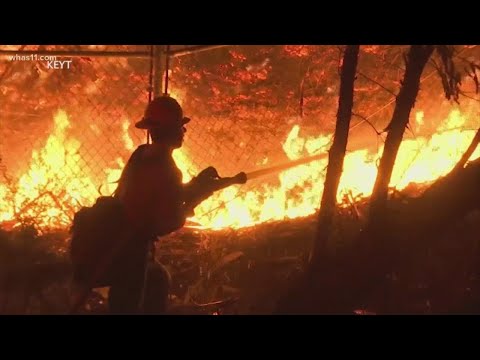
point(337, 153)
point(417, 58)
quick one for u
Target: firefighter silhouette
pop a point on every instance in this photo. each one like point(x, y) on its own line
point(156, 203)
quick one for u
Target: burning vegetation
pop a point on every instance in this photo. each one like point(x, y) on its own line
point(68, 134)
point(55, 185)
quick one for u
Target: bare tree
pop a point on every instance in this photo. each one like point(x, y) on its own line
point(337, 152)
point(416, 60)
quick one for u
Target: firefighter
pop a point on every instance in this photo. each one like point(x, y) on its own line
point(156, 203)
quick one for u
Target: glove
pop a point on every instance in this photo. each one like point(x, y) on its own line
point(201, 186)
point(210, 173)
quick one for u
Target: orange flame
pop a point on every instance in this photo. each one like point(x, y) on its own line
point(55, 186)
point(421, 160)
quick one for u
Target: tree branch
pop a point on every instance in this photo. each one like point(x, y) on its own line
point(368, 122)
point(471, 149)
point(376, 82)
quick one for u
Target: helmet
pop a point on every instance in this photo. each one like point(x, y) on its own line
point(164, 112)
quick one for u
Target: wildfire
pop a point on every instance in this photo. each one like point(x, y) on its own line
point(420, 160)
point(55, 186)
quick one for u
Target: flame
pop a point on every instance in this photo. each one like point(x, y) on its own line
point(55, 185)
point(127, 140)
point(420, 160)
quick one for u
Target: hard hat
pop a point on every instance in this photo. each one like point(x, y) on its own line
point(164, 112)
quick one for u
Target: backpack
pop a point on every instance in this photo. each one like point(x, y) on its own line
point(97, 234)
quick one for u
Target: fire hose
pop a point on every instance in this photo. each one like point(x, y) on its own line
point(242, 177)
point(214, 182)
point(284, 166)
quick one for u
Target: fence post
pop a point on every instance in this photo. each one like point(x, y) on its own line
point(158, 59)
